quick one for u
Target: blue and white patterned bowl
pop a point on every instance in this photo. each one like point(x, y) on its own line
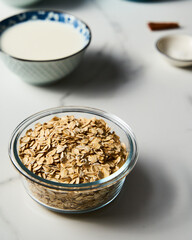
point(43, 72)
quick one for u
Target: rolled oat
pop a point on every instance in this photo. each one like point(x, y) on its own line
point(71, 150)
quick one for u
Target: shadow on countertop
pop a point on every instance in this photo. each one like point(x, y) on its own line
point(147, 196)
point(98, 73)
point(69, 4)
point(153, 1)
point(55, 4)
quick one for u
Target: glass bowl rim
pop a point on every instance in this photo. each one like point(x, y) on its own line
point(47, 10)
point(111, 179)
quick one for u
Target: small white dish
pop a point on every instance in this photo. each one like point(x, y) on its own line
point(176, 49)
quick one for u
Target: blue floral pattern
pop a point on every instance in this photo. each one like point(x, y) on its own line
point(47, 16)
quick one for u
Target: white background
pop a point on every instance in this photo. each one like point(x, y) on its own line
point(121, 73)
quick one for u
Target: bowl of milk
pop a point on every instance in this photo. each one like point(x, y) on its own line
point(43, 46)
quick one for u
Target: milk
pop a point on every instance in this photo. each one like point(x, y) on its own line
point(41, 40)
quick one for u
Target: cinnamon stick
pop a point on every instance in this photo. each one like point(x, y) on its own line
point(156, 26)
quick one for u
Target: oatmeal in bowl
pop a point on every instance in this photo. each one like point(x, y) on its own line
point(73, 159)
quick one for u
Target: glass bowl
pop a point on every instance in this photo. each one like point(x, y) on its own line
point(74, 198)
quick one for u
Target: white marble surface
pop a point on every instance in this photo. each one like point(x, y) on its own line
point(123, 74)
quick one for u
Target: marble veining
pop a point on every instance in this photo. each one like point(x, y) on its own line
point(8, 180)
point(8, 229)
point(120, 73)
point(10, 232)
